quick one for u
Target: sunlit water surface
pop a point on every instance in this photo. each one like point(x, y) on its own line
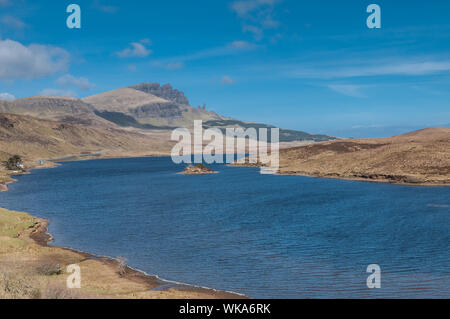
point(260, 235)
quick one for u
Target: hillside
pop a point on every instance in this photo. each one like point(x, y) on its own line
point(35, 139)
point(131, 121)
point(64, 109)
point(420, 157)
point(285, 135)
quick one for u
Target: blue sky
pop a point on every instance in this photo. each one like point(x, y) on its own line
point(307, 65)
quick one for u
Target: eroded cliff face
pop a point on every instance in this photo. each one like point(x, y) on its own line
point(165, 91)
point(164, 110)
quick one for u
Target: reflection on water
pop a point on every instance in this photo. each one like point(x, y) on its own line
point(257, 234)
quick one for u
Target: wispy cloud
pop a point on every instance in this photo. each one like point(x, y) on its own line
point(226, 80)
point(256, 15)
point(7, 96)
point(132, 68)
point(242, 45)
point(370, 68)
point(81, 83)
point(179, 62)
point(12, 22)
point(32, 61)
point(169, 65)
point(347, 89)
point(229, 49)
point(5, 3)
point(136, 50)
point(104, 8)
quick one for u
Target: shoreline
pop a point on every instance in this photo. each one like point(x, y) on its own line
point(395, 180)
point(367, 180)
point(40, 236)
point(54, 162)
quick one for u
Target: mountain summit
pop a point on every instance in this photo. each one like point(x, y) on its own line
point(165, 92)
point(148, 105)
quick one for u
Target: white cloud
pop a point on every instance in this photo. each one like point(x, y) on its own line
point(228, 49)
point(13, 22)
point(81, 83)
point(57, 92)
point(30, 62)
point(7, 97)
point(227, 80)
point(347, 89)
point(137, 50)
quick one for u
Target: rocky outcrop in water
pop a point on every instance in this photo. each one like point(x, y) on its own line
point(198, 169)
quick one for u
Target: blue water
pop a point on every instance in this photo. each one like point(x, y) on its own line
point(261, 235)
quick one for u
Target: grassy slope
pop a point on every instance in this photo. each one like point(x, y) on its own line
point(421, 157)
point(30, 270)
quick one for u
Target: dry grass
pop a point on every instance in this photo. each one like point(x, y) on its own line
point(29, 270)
point(417, 157)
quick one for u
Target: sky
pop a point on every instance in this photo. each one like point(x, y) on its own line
point(307, 65)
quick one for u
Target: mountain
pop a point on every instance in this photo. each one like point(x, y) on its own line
point(107, 120)
point(420, 157)
point(165, 92)
point(150, 105)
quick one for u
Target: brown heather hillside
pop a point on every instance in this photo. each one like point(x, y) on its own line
point(420, 157)
point(64, 109)
point(36, 139)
